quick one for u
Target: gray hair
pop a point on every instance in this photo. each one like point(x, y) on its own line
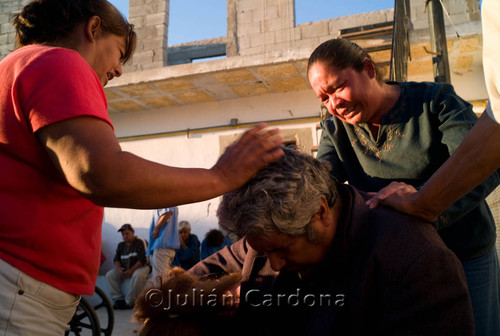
point(184, 225)
point(283, 196)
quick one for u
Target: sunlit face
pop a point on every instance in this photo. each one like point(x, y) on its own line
point(286, 252)
point(107, 56)
point(347, 94)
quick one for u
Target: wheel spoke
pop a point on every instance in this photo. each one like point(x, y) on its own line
point(99, 306)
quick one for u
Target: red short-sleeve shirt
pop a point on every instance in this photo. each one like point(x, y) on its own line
point(47, 229)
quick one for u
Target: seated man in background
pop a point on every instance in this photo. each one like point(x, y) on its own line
point(130, 262)
point(316, 260)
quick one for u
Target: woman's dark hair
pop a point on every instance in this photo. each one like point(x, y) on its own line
point(341, 53)
point(52, 21)
point(215, 238)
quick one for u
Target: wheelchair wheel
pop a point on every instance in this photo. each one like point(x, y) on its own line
point(105, 306)
point(104, 310)
point(85, 321)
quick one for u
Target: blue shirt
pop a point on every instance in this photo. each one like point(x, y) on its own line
point(207, 250)
point(188, 257)
point(168, 237)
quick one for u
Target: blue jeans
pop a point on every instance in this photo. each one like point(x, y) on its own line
point(483, 279)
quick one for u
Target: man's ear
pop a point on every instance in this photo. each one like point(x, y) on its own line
point(324, 214)
point(370, 67)
point(93, 28)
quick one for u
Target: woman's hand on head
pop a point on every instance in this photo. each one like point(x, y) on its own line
point(87, 154)
point(242, 159)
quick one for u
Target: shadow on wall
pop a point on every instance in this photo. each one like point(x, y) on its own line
point(110, 240)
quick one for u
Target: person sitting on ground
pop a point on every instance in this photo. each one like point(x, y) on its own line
point(130, 263)
point(315, 259)
point(189, 252)
point(213, 242)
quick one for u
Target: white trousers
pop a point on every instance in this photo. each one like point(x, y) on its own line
point(161, 261)
point(137, 283)
point(31, 307)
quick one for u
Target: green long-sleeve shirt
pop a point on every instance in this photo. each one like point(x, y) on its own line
point(415, 138)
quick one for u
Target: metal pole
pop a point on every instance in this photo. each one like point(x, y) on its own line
point(440, 62)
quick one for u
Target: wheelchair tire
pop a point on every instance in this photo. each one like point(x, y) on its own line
point(85, 321)
point(103, 302)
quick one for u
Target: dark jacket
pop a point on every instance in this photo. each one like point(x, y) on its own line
point(129, 255)
point(386, 274)
point(188, 257)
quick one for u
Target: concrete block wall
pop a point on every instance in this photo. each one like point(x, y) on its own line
point(7, 32)
point(460, 12)
point(257, 27)
point(265, 26)
point(150, 20)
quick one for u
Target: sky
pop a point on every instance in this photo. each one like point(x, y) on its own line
point(193, 20)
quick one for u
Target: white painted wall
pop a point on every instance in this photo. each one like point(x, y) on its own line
point(247, 110)
point(198, 150)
